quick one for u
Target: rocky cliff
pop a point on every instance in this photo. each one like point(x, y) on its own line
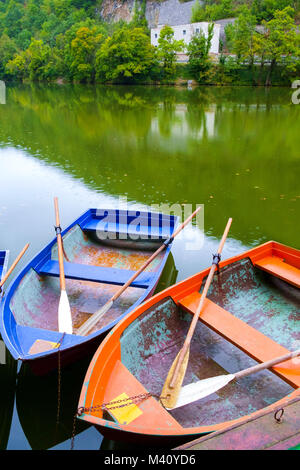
point(171, 12)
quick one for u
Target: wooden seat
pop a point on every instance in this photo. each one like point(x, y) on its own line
point(276, 266)
point(95, 273)
point(245, 337)
point(148, 413)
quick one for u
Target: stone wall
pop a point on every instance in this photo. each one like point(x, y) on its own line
point(172, 12)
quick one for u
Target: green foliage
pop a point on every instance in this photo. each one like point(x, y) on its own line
point(51, 39)
point(139, 18)
point(167, 50)
point(265, 9)
point(83, 50)
point(282, 43)
point(240, 36)
point(211, 12)
point(277, 43)
point(7, 50)
point(36, 63)
point(126, 56)
point(198, 52)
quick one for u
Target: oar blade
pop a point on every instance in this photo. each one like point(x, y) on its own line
point(170, 395)
point(64, 314)
point(197, 390)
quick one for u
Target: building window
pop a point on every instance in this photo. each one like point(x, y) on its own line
point(155, 35)
point(184, 32)
point(197, 31)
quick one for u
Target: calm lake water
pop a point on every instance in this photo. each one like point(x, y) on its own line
point(234, 150)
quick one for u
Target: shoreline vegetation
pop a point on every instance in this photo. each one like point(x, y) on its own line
point(65, 41)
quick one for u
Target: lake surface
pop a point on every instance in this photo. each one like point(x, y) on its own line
point(234, 150)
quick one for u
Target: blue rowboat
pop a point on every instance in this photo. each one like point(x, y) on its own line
point(103, 249)
point(8, 371)
point(4, 254)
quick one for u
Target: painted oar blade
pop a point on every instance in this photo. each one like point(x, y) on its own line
point(169, 396)
point(197, 390)
point(64, 314)
point(86, 327)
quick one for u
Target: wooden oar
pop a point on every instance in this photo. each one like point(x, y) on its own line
point(172, 385)
point(13, 266)
point(91, 322)
point(64, 310)
point(202, 388)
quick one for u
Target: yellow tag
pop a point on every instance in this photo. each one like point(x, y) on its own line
point(41, 345)
point(127, 413)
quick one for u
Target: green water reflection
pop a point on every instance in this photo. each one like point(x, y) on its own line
point(235, 150)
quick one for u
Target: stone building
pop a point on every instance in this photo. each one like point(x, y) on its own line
point(186, 32)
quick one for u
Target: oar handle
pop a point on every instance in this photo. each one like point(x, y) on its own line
point(13, 265)
point(59, 248)
point(225, 234)
point(199, 308)
point(154, 255)
point(187, 221)
point(266, 365)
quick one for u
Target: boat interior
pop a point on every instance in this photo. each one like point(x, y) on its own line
point(250, 315)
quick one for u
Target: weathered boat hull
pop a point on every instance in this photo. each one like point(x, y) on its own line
point(98, 262)
point(4, 255)
point(251, 314)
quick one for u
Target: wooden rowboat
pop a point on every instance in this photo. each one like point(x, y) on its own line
point(251, 314)
point(104, 249)
point(8, 372)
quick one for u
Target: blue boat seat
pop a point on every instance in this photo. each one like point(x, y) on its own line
point(86, 272)
point(152, 232)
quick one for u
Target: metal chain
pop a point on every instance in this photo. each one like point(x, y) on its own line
point(58, 345)
point(118, 404)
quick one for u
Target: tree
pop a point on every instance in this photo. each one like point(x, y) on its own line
point(83, 53)
point(281, 41)
point(265, 9)
point(167, 50)
point(198, 52)
point(36, 63)
point(240, 36)
point(198, 12)
point(12, 18)
point(7, 50)
point(126, 56)
point(212, 11)
point(139, 17)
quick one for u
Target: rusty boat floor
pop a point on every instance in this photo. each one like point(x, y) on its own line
point(251, 315)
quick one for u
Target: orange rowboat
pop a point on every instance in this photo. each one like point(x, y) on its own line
point(250, 315)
